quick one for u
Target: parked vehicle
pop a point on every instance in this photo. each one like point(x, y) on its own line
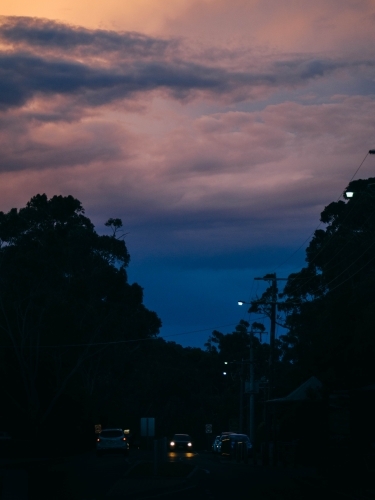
point(181, 442)
point(222, 436)
point(236, 446)
point(215, 444)
point(112, 441)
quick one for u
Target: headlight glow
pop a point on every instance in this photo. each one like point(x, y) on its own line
point(189, 444)
point(172, 443)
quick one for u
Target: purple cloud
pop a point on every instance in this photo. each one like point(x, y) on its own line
point(43, 60)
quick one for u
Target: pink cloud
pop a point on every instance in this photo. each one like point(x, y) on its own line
point(185, 148)
point(303, 26)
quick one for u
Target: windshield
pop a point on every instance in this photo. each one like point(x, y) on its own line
point(111, 434)
point(181, 437)
point(241, 437)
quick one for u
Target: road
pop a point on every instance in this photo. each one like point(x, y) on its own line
point(87, 477)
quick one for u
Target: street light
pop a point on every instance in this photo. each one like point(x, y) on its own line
point(251, 384)
point(369, 190)
point(350, 194)
point(241, 372)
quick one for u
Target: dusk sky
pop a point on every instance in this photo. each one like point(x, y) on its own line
point(217, 130)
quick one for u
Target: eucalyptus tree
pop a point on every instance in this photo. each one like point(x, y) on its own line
point(64, 297)
point(331, 301)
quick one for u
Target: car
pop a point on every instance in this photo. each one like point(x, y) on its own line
point(236, 446)
point(181, 442)
point(112, 441)
point(215, 444)
point(222, 436)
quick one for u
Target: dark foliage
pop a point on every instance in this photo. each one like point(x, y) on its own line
point(63, 295)
point(331, 326)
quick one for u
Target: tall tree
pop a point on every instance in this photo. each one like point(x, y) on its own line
point(63, 295)
point(331, 302)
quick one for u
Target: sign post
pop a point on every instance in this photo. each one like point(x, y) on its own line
point(147, 428)
point(208, 428)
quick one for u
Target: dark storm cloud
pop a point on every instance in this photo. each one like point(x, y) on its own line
point(40, 61)
point(48, 34)
point(23, 75)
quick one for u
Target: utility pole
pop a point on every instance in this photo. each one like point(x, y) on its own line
point(242, 383)
point(271, 360)
point(270, 434)
point(252, 384)
point(252, 390)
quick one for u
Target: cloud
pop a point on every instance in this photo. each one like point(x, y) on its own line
point(33, 33)
point(217, 130)
point(123, 65)
point(330, 26)
point(185, 150)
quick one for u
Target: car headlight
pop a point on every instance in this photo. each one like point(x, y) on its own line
point(172, 443)
point(189, 444)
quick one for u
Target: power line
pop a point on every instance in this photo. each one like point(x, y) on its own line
point(114, 342)
point(371, 151)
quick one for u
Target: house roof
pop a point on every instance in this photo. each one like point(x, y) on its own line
point(308, 391)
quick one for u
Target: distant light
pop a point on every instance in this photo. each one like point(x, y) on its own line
point(349, 194)
point(225, 362)
point(224, 373)
point(240, 303)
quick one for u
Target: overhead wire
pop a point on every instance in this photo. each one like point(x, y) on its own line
point(329, 267)
point(338, 263)
point(212, 328)
point(115, 342)
point(341, 248)
point(348, 213)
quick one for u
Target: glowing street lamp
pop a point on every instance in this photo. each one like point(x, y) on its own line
point(350, 194)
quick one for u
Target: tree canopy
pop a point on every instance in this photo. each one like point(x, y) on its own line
point(330, 303)
point(64, 295)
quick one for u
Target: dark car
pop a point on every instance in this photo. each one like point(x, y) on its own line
point(181, 442)
point(236, 446)
point(112, 441)
point(222, 436)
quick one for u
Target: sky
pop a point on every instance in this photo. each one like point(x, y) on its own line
point(217, 130)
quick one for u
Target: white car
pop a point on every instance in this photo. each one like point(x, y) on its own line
point(112, 441)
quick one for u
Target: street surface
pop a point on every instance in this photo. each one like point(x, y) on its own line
point(87, 477)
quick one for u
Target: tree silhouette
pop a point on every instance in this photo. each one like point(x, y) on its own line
point(64, 295)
